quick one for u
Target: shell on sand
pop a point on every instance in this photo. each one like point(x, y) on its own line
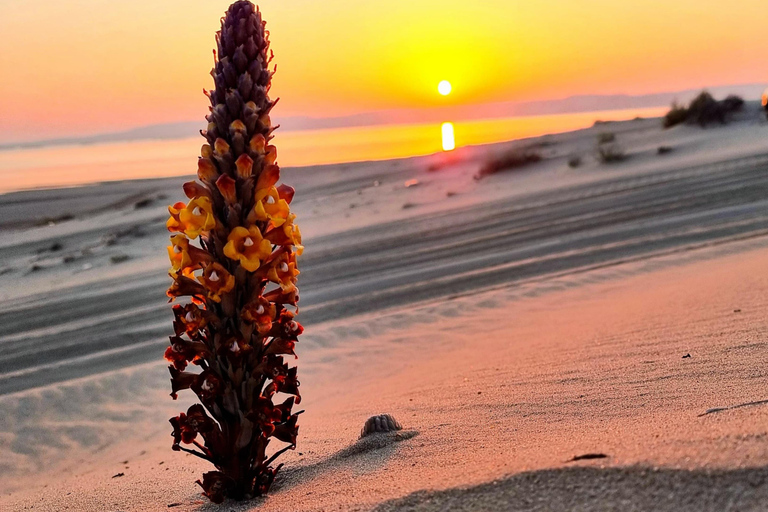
point(380, 423)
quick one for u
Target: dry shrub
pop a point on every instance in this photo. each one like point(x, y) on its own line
point(515, 159)
point(610, 153)
point(703, 110)
point(606, 137)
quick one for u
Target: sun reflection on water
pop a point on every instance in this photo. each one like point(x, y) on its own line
point(449, 142)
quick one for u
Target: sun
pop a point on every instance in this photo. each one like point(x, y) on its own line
point(444, 87)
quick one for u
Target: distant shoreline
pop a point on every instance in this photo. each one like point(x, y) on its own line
point(63, 166)
point(581, 104)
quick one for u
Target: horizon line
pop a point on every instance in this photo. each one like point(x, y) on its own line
point(565, 105)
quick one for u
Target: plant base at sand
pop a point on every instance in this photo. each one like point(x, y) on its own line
point(239, 324)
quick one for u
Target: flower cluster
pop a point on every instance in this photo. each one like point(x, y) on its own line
point(233, 254)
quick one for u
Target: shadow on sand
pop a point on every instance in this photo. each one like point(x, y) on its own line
point(611, 489)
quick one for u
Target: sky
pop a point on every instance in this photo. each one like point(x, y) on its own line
point(78, 67)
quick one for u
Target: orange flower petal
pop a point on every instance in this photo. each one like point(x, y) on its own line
point(206, 171)
point(237, 126)
point(286, 192)
point(268, 177)
point(226, 186)
point(271, 157)
point(244, 166)
point(258, 143)
point(221, 147)
point(193, 189)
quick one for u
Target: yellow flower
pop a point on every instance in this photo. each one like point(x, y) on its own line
point(293, 234)
point(185, 257)
point(287, 234)
point(174, 224)
point(284, 271)
point(270, 207)
point(178, 253)
point(192, 219)
point(248, 247)
point(217, 281)
point(259, 312)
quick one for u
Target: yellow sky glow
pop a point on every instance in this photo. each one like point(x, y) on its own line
point(85, 66)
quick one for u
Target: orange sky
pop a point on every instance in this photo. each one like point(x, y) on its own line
point(74, 67)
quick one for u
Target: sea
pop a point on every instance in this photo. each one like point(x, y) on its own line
point(57, 166)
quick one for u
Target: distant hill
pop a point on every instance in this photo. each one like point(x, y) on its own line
point(571, 104)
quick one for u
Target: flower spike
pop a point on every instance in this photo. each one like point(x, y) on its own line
point(233, 257)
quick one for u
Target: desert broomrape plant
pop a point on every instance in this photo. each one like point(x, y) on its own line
point(233, 255)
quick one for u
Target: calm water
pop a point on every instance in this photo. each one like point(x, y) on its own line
point(58, 166)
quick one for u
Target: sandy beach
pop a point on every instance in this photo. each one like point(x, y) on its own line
point(513, 325)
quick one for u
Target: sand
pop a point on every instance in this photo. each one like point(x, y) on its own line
point(533, 317)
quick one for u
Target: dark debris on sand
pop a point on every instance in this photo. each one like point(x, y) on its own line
point(588, 456)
